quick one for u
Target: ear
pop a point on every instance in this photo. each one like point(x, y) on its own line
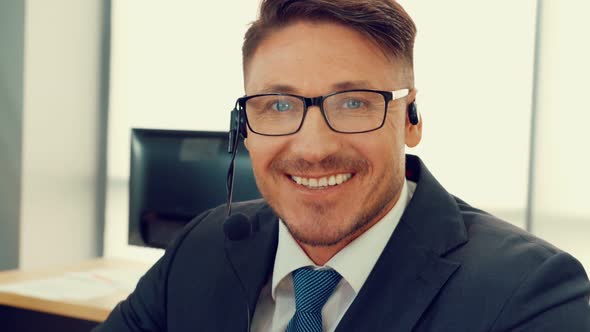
point(413, 133)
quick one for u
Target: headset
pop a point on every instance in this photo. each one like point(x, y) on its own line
point(237, 127)
point(413, 113)
point(237, 227)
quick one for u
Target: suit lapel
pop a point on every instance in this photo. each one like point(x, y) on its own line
point(253, 259)
point(401, 286)
point(412, 269)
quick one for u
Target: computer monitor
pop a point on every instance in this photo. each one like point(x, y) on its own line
point(177, 175)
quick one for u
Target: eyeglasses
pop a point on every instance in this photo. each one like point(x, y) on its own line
point(350, 111)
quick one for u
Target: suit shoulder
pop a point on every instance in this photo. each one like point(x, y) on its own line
point(505, 269)
point(488, 231)
point(495, 247)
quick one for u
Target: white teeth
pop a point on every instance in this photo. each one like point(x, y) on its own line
point(332, 180)
point(322, 182)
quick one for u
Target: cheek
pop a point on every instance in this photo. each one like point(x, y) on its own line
point(394, 131)
point(380, 154)
point(262, 151)
point(382, 150)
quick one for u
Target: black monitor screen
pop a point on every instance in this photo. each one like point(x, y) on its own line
point(175, 176)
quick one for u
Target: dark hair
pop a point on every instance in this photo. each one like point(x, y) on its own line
point(384, 22)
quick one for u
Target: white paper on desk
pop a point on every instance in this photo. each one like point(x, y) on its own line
point(77, 286)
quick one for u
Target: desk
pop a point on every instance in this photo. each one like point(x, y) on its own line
point(91, 311)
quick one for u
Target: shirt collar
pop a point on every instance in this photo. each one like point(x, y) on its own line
point(355, 261)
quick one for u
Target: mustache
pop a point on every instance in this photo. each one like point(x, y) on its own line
point(327, 165)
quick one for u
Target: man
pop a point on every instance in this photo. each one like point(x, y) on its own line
point(352, 234)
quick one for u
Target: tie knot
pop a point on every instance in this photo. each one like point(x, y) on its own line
point(313, 288)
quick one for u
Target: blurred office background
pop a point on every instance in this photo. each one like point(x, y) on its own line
point(502, 91)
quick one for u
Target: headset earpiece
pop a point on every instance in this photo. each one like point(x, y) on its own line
point(237, 127)
point(242, 124)
point(233, 130)
point(413, 114)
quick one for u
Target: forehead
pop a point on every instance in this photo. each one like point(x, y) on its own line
point(315, 58)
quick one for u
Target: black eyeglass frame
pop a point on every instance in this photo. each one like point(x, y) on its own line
point(318, 101)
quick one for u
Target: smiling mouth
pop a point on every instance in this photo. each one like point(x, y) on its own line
point(323, 182)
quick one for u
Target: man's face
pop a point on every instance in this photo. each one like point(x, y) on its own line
point(317, 59)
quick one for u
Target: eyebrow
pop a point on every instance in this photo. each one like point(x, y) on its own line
point(344, 85)
point(350, 85)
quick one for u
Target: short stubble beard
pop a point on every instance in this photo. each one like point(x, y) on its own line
point(376, 204)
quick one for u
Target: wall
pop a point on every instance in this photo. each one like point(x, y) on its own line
point(12, 26)
point(560, 198)
point(52, 131)
point(62, 132)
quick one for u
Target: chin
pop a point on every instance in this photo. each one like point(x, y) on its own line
point(316, 239)
point(321, 231)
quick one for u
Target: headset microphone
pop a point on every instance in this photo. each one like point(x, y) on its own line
point(236, 227)
point(413, 114)
point(234, 138)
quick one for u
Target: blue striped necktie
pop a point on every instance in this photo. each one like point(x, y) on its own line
point(312, 290)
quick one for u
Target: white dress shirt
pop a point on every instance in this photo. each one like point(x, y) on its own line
point(276, 302)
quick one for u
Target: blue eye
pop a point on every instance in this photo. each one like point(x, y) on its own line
point(281, 106)
point(353, 104)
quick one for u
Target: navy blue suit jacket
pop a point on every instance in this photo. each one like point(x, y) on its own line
point(447, 267)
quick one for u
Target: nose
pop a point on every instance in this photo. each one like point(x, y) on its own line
point(315, 140)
